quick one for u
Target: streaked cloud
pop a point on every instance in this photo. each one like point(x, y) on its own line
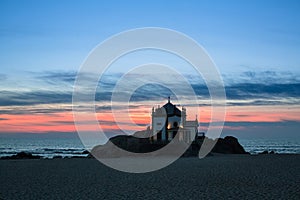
point(252, 102)
point(18, 98)
point(265, 88)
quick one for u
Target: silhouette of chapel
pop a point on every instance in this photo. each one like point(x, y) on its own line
point(168, 121)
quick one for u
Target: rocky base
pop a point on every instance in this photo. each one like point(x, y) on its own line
point(22, 155)
point(227, 145)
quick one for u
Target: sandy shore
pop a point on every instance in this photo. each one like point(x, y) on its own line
point(215, 177)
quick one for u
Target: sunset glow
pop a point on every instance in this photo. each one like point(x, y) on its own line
point(44, 46)
point(141, 118)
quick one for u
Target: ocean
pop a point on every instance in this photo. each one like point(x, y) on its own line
point(70, 145)
point(282, 146)
point(42, 145)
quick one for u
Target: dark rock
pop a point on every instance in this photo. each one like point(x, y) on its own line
point(25, 155)
point(264, 152)
point(135, 144)
point(228, 145)
point(267, 152)
point(75, 157)
point(90, 155)
point(55, 157)
point(85, 152)
point(22, 155)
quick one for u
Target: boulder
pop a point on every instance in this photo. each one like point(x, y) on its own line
point(22, 155)
point(55, 157)
point(85, 152)
point(264, 152)
point(267, 152)
point(228, 145)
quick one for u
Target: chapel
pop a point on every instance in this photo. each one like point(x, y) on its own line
point(169, 120)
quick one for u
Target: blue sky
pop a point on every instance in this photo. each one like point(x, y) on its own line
point(255, 44)
point(41, 35)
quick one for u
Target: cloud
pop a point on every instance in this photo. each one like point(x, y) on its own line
point(107, 81)
point(258, 88)
point(262, 102)
point(19, 98)
point(86, 122)
point(57, 77)
point(108, 107)
point(264, 91)
point(18, 110)
point(262, 77)
point(246, 124)
point(256, 94)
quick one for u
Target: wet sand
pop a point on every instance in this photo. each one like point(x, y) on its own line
point(214, 177)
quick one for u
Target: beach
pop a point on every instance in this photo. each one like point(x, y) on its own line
point(271, 176)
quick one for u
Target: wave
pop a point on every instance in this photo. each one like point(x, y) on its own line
point(46, 152)
point(71, 147)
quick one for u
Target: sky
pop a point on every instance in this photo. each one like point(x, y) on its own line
point(254, 44)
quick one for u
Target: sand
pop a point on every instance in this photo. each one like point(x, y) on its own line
point(214, 177)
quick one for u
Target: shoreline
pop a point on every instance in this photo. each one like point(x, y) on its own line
point(84, 155)
point(60, 148)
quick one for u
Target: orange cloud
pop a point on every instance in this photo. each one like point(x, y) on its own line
point(64, 122)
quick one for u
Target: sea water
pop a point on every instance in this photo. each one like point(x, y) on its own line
point(282, 145)
point(42, 145)
point(70, 145)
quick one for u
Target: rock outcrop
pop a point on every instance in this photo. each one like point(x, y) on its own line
point(22, 155)
point(266, 152)
point(227, 145)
